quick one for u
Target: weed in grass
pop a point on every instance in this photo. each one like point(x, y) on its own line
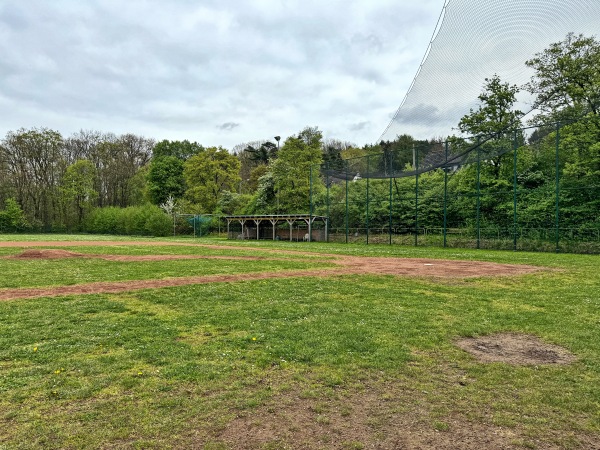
point(441, 426)
point(353, 445)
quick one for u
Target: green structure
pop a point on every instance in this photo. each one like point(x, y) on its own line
point(535, 188)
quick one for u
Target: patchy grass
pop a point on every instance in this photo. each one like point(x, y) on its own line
point(341, 362)
point(68, 271)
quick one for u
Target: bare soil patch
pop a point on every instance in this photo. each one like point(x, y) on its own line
point(515, 348)
point(438, 268)
point(34, 253)
point(379, 416)
point(344, 265)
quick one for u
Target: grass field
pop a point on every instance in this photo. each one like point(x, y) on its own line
point(345, 361)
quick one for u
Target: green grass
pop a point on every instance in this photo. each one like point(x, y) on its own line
point(172, 367)
point(68, 271)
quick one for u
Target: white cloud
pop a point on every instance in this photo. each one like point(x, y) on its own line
point(219, 72)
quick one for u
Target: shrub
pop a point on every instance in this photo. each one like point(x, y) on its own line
point(146, 220)
point(12, 218)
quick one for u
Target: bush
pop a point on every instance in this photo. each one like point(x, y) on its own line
point(147, 220)
point(12, 218)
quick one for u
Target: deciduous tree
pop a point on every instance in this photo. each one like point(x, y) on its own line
point(567, 76)
point(292, 169)
point(208, 175)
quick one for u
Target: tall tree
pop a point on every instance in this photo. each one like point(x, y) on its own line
point(262, 154)
point(208, 174)
point(291, 170)
point(333, 149)
point(117, 162)
point(165, 179)
point(179, 149)
point(34, 160)
point(567, 76)
point(494, 120)
point(165, 174)
point(78, 191)
point(495, 113)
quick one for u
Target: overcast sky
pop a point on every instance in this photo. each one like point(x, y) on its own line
point(217, 72)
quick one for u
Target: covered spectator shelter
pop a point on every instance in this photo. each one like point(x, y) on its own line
point(299, 227)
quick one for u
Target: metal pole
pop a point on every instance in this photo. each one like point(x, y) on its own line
point(367, 209)
point(416, 157)
point(390, 224)
point(391, 197)
point(310, 206)
point(446, 194)
point(328, 182)
point(478, 190)
point(515, 191)
point(557, 201)
point(346, 201)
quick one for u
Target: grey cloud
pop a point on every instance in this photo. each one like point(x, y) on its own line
point(228, 126)
point(13, 17)
point(418, 113)
point(369, 43)
point(359, 126)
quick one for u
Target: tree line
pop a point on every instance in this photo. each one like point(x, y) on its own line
point(53, 183)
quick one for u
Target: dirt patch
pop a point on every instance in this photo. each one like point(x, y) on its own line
point(60, 254)
point(343, 265)
point(133, 258)
point(376, 417)
point(438, 268)
point(34, 253)
point(515, 348)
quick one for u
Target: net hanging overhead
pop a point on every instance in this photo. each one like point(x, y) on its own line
point(475, 39)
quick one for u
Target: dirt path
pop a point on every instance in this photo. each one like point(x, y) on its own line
point(346, 265)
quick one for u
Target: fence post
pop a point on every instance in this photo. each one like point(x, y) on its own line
point(367, 208)
point(446, 195)
point(557, 230)
point(416, 153)
point(515, 191)
point(390, 222)
point(347, 218)
point(310, 206)
point(328, 182)
point(478, 188)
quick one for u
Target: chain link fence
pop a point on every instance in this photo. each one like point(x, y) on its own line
point(535, 188)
